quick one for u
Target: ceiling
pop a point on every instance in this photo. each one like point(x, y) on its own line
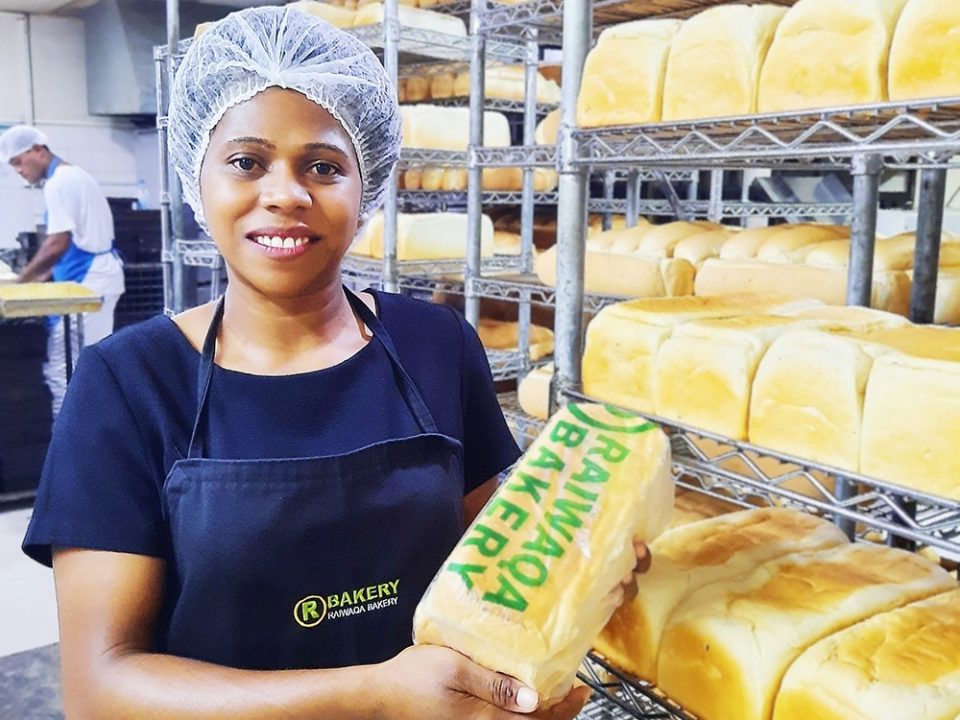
point(50, 6)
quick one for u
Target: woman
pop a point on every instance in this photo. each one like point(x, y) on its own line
point(266, 485)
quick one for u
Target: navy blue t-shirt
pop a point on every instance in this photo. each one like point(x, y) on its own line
point(130, 407)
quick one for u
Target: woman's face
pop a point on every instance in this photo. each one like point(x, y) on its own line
point(281, 171)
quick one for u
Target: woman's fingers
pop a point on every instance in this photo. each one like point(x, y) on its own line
point(643, 557)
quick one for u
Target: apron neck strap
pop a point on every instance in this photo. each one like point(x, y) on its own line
point(408, 389)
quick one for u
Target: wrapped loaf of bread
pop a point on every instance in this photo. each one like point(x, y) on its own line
point(690, 557)
point(425, 236)
point(373, 14)
point(623, 340)
point(727, 646)
point(925, 55)
point(829, 53)
point(911, 413)
point(902, 664)
point(891, 289)
point(531, 584)
point(703, 373)
point(715, 61)
point(623, 74)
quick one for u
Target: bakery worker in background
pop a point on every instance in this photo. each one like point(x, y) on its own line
point(79, 242)
point(243, 504)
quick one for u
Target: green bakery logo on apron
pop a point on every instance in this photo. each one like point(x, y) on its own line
point(314, 609)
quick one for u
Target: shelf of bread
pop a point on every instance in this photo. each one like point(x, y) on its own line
point(789, 397)
point(741, 614)
point(503, 83)
point(544, 156)
point(650, 87)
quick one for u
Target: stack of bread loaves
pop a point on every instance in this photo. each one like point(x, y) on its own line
point(531, 584)
point(737, 59)
point(500, 82)
point(853, 388)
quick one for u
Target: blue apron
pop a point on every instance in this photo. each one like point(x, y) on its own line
point(75, 263)
point(309, 562)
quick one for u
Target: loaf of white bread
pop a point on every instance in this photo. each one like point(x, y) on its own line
point(411, 17)
point(911, 413)
point(436, 127)
point(691, 506)
point(420, 123)
point(727, 646)
point(341, 17)
point(829, 53)
point(715, 61)
point(623, 74)
point(901, 664)
point(695, 556)
point(502, 335)
point(533, 392)
point(807, 396)
point(890, 292)
point(424, 236)
point(532, 581)
point(622, 341)
point(504, 82)
point(925, 55)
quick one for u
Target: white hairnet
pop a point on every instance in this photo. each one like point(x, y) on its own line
point(257, 48)
point(18, 139)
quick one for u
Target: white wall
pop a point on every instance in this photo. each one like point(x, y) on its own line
point(111, 149)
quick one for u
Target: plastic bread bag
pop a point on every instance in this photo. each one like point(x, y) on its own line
point(530, 585)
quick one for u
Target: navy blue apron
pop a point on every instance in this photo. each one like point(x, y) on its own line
point(311, 562)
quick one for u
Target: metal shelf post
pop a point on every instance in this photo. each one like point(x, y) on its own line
point(174, 191)
point(572, 208)
point(478, 59)
point(933, 185)
point(866, 194)
point(390, 50)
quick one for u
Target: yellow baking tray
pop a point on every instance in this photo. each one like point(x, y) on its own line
point(48, 298)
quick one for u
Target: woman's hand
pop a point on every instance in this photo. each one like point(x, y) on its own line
point(440, 683)
point(627, 589)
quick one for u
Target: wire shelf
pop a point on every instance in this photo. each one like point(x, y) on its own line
point(887, 511)
point(547, 15)
point(729, 209)
point(518, 286)
point(506, 364)
point(525, 425)
point(197, 253)
point(516, 156)
point(618, 695)
point(425, 201)
point(919, 134)
point(416, 45)
point(411, 158)
point(495, 104)
point(437, 270)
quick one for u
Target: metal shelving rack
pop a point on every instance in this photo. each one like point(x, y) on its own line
point(923, 135)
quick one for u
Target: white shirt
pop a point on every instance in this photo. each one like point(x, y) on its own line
point(76, 204)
